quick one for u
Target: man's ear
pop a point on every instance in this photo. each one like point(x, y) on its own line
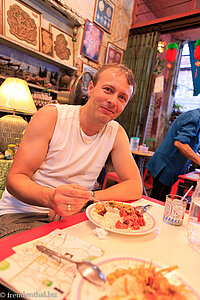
point(90, 88)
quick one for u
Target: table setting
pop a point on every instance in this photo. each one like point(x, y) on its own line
point(154, 247)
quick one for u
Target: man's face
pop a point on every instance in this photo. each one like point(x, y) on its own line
point(110, 95)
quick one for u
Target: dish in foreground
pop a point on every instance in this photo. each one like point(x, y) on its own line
point(135, 279)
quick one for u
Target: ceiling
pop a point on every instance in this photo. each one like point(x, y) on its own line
point(187, 35)
point(163, 9)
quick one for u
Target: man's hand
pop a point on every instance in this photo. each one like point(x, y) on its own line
point(68, 200)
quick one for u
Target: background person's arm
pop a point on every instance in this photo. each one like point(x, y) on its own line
point(124, 164)
point(30, 155)
point(187, 151)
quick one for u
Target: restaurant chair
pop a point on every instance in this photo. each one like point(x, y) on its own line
point(112, 176)
point(147, 179)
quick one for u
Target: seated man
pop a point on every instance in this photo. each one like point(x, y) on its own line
point(63, 151)
point(177, 149)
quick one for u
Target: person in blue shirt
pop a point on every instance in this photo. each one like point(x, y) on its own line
point(177, 149)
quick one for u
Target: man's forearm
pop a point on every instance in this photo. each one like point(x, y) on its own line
point(29, 192)
point(187, 151)
point(123, 191)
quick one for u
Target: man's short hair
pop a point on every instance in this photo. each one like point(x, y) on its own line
point(122, 69)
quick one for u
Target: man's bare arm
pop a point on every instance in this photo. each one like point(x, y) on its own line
point(131, 186)
point(187, 151)
point(30, 155)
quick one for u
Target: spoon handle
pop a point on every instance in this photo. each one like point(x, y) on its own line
point(50, 252)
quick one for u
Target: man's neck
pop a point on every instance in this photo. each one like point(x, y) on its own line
point(88, 124)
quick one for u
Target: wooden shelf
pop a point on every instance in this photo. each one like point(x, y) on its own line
point(32, 85)
point(64, 12)
point(14, 44)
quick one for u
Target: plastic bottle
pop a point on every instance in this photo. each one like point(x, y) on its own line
point(193, 226)
point(134, 143)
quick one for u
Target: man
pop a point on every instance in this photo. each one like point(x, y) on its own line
point(178, 148)
point(63, 151)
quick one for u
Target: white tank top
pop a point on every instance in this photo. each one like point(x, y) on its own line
point(70, 158)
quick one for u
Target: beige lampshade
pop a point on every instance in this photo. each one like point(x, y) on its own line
point(16, 96)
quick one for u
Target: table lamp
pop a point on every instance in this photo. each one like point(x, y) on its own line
point(15, 96)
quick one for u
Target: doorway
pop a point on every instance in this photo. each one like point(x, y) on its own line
point(184, 98)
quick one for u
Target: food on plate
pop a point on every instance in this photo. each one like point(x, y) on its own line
point(128, 218)
point(144, 283)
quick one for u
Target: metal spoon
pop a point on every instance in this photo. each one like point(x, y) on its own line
point(89, 271)
point(142, 209)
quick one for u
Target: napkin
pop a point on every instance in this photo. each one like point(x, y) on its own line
point(100, 232)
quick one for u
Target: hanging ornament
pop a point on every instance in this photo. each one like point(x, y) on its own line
point(197, 54)
point(171, 52)
point(161, 46)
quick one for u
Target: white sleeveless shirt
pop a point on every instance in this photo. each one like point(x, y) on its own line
point(72, 157)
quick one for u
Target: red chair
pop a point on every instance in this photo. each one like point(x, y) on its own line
point(111, 175)
point(147, 179)
point(176, 185)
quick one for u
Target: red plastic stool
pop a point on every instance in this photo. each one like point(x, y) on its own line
point(175, 188)
point(110, 175)
point(149, 181)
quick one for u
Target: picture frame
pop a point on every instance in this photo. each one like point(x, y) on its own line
point(27, 31)
point(1, 16)
point(62, 45)
point(114, 54)
point(91, 41)
point(89, 69)
point(104, 14)
point(46, 42)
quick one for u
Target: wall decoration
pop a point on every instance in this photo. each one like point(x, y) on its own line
point(171, 53)
point(91, 42)
point(25, 28)
point(197, 55)
point(1, 16)
point(103, 14)
point(46, 42)
point(113, 54)
point(62, 45)
point(89, 69)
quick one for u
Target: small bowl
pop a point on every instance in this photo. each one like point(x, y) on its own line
point(145, 149)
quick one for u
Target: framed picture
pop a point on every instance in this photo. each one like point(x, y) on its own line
point(103, 14)
point(89, 69)
point(25, 28)
point(62, 45)
point(1, 16)
point(46, 42)
point(113, 54)
point(91, 42)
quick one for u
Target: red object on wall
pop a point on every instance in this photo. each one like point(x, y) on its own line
point(197, 54)
point(171, 54)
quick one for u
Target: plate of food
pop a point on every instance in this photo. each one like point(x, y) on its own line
point(124, 219)
point(131, 278)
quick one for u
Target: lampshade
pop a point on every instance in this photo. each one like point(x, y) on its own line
point(16, 96)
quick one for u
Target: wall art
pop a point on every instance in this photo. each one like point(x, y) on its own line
point(62, 45)
point(1, 16)
point(89, 69)
point(113, 54)
point(46, 42)
point(24, 29)
point(91, 42)
point(103, 14)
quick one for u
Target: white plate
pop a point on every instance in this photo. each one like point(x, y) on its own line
point(83, 290)
point(104, 222)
